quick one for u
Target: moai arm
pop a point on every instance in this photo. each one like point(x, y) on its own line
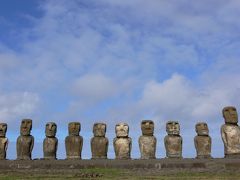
point(195, 142)
point(81, 143)
point(18, 146)
point(165, 143)
point(223, 134)
point(130, 145)
point(107, 145)
point(32, 144)
point(92, 144)
point(155, 142)
point(6, 145)
point(210, 143)
point(114, 145)
point(181, 142)
point(56, 145)
point(66, 145)
point(139, 143)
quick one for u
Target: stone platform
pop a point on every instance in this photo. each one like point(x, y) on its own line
point(209, 165)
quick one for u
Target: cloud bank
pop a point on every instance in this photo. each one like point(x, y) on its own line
point(125, 61)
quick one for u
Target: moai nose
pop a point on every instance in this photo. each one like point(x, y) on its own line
point(232, 112)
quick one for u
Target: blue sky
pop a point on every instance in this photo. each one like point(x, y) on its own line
point(118, 61)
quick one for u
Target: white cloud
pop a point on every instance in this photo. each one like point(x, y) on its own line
point(94, 87)
point(18, 105)
point(124, 60)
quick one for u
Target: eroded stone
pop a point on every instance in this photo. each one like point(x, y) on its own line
point(74, 142)
point(173, 141)
point(25, 141)
point(202, 141)
point(99, 143)
point(147, 142)
point(50, 143)
point(3, 140)
point(230, 132)
point(122, 143)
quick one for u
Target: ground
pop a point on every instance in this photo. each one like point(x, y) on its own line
point(103, 173)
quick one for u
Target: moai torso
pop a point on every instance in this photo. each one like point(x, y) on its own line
point(173, 141)
point(147, 142)
point(122, 143)
point(202, 141)
point(99, 143)
point(230, 132)
point(25, 141)
point(3, 141)
point(74, 142)
point(50, 143)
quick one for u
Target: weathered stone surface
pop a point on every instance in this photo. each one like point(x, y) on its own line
point(50, 143)
point(167, 166)
point(74, 142)
point(122, 143)
point(3, 140)
point(173, 141)
point(147, 142)
point(99, 143)
point(25, 141)
point(230, 132)
point(202, 141)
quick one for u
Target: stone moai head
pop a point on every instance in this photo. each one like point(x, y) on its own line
point(230, 115)
point(3, 129)
point(99, 129)
point(51, 129)
point(26, 127)
point(202, 129)
point(173, 128)
point(147, 127)
point(74, 128)
point(122, 130)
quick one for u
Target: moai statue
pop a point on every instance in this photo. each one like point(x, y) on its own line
point(74, 142)
point(3, 141)
point(230, 132)
point(147, 142)
point(25, 141)
point(50, 143)
point(173, 141)
point(202, 141)
point(99, 143)
point(122, 143)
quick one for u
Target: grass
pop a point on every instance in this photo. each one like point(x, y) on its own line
point(107, 173)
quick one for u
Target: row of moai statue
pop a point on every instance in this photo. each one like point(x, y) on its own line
point(122, 143)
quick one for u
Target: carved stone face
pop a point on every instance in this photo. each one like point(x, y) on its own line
point(3, 129)
point(26, 127)
point(202, 129)
point(230, 115)
point(74, 128)
point(173, 128)
point(147, 127)
point(51, 129)
point(122, 130)
point(99, 129)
